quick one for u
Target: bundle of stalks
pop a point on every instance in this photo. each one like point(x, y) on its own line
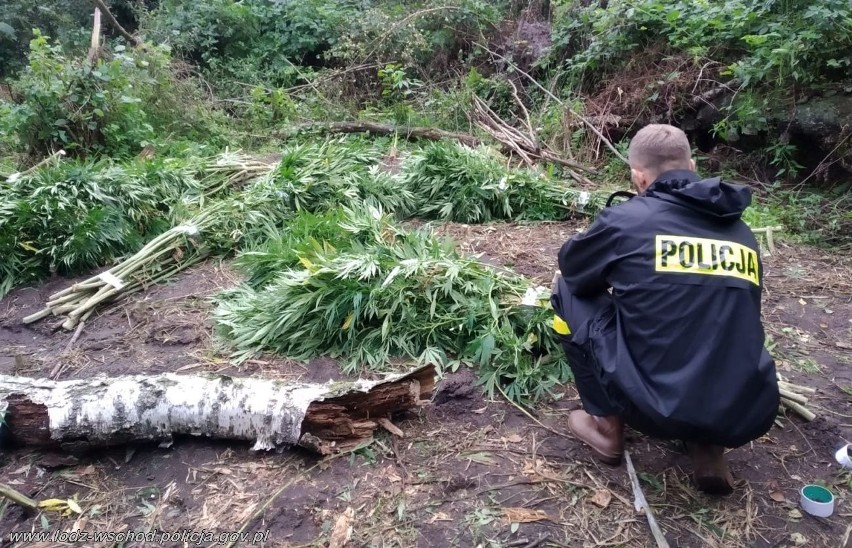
point(232, 170)
point(161, 258)
point(795, 397)
point(167, 254)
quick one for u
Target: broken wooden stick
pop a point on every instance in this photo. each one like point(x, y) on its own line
point(642, 506)
point(95, 46)
point(768, 230)
point(325, 418)
point(99, 4)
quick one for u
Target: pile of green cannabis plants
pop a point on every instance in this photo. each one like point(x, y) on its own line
point(78, 215)
point(321, 176)
point(237, 201)
point(197, 202)
point(362, 289)
point(458, 183)
point(309, 177)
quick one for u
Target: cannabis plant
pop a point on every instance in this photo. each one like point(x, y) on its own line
point(78, 215)
point(458, 183)
point(387, 294)
point(321, 176)
point(73, 216)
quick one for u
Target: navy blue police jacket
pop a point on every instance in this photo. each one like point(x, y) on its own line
point(683, 339)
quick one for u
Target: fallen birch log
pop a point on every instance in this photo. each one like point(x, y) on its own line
point(325, 418)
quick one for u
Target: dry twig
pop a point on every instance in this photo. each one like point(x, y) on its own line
point(525, 146)
point(642, 505)
point(17, 497)
point(561, 103)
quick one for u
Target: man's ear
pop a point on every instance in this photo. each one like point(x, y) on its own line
point(639, 179)
point(692, 165)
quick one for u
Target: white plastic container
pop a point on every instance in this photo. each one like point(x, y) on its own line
point(844, 456)
point(817, 501)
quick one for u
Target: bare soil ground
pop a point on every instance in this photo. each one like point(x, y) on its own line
point(469, 471)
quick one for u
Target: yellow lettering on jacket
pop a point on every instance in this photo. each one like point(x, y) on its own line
point(686, 254)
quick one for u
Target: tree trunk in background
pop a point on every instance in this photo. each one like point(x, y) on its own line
point(325, 418)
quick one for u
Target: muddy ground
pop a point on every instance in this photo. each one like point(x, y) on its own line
point(469, 471)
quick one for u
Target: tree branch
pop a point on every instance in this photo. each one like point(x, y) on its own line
point(561, 103)
point(17, 497)
point(409, 132)
point(115, 24)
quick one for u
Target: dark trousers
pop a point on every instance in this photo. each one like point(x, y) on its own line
point(589, 318)
point(599, 397)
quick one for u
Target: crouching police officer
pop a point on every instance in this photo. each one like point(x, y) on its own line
point(658, 308)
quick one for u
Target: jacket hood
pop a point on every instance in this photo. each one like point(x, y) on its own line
point(712, 197)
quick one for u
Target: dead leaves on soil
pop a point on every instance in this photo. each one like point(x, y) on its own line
point(775, 492)
point(601, 498)
point(524, 515)
point(342, 531)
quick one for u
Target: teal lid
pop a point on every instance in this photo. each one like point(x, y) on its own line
point(817, 493)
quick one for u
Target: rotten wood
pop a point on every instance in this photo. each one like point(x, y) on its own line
point(326, 418)
point(391, 427)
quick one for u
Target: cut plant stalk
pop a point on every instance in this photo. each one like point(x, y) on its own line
point(161, 257)
point(794, 398)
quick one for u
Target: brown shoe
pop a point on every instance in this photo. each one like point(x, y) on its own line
point(712, 474)
point(605, 435)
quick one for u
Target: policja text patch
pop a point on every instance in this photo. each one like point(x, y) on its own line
point(686, 254)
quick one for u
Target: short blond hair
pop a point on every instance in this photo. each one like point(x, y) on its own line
point(659, 147)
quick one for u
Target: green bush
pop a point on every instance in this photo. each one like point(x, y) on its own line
point(419, 33)
point(113, 107)
point(239, 44)
point(776, 42)
point(67, 20)
point(66, 103)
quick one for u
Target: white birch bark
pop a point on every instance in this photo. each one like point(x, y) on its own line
point(102, 410)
